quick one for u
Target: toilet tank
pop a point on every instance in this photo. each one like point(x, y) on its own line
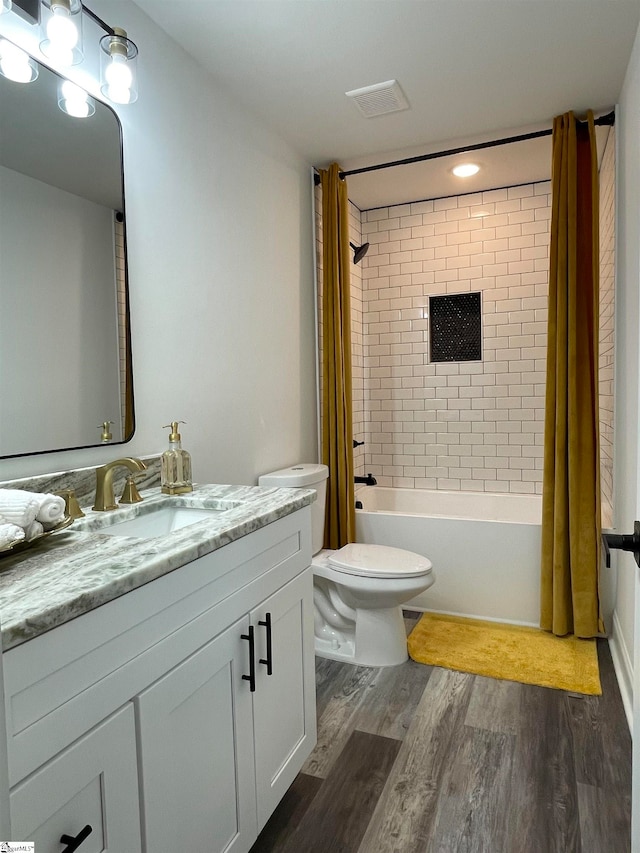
point(304, 476)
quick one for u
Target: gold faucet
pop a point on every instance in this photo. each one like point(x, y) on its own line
point(104, 481)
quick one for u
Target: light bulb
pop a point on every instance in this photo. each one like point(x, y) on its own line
point(465, 170)
point(118, 67)
point(15, 63)
point(61, 30)
point(74, 101)
point(118, 78)
point(118, 74)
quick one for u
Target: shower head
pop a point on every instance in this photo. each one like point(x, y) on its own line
point(359, 251)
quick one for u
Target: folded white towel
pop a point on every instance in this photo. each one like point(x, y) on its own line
point(17, 507)
point(50, 508)
point(34, 530)
point(9, 535)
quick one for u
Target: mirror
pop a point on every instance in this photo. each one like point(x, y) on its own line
point(65, 353)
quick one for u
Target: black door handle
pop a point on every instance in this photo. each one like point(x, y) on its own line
point(251, 678)
point(74, 842)
point(269, 660)
point(625, 542)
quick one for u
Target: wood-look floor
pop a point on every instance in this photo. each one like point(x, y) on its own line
point(418, 759)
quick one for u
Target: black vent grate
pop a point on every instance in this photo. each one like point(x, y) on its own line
point(455, 327)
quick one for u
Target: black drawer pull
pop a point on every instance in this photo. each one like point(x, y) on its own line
point(269, 660)
point(73, 843)
point(251, 678)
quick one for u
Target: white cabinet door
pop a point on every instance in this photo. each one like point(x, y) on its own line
point(93, 783)
point(284, 701)
point(196, 752)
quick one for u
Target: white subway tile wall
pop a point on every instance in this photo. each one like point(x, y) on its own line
point(606, 363)
point(473, 426)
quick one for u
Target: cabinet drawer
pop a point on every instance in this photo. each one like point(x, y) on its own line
point(62, 683)
point(92, 783)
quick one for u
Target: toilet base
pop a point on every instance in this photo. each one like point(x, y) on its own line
point(380, 640)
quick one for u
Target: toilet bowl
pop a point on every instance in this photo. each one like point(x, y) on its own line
point(358, 589)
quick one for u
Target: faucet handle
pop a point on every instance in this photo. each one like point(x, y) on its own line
point(71, 505)
point(130, 493)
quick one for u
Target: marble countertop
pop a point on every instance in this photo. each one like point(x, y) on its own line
point(71, 572)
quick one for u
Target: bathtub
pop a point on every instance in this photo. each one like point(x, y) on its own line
point(485, 548)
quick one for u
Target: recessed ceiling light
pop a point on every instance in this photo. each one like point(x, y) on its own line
point(465, 170)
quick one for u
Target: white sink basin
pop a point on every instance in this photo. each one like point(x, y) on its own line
point(161, 521)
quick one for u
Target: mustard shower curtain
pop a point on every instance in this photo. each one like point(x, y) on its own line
point(337, 430)
point(571, 484)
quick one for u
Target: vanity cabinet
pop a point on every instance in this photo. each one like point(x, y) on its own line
point(196, 691)
point(216, 755)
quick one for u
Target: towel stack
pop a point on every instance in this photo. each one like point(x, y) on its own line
point(27, 515)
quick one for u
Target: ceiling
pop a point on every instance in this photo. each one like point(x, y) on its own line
point(472, 70)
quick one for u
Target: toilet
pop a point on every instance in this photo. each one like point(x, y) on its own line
point(358, 590)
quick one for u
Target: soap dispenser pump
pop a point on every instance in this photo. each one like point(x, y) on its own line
point(176, 464)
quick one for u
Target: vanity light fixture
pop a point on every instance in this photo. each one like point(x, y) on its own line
point(118, 59)
point(75, 101)
point(16, 64)
point(466, 170)
point(60, 23)
point(61, 31)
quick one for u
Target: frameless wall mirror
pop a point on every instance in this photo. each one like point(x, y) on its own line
point(65, 359)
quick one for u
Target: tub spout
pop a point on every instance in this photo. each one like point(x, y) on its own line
point(369, 480)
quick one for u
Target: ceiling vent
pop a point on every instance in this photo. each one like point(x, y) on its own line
point(379, 99)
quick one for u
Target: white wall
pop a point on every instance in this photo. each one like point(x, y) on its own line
point(220, 268)
point(626, 375)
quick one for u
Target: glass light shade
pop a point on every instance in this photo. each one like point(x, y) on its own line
point(118, 68)
point(16, 64)
point(5, 6)
point(75, 101)
point(61, 31)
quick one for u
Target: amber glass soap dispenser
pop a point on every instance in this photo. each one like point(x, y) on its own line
point(176, 465)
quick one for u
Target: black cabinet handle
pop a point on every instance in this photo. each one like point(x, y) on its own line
point(625, 542)
point(73, 843)
point(251, 678)
point(269, 661)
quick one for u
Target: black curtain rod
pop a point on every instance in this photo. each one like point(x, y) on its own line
point(608, 119)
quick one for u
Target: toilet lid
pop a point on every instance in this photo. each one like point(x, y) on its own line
point(379, 561)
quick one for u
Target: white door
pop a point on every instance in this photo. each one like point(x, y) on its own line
point(196, 752)
point(284, 714)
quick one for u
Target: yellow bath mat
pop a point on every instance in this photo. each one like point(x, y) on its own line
point(511, 652)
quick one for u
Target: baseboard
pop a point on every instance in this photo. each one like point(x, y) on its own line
point(417, 609)
point(623, 668)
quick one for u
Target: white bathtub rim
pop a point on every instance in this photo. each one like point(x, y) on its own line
point(500, 507)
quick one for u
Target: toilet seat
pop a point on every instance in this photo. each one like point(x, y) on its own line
point(379, 561)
